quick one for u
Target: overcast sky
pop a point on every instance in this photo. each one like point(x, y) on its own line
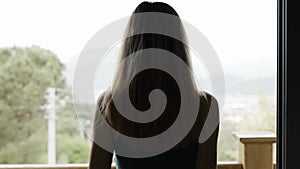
point(239, 30)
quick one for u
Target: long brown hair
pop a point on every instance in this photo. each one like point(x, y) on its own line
point(144, 82)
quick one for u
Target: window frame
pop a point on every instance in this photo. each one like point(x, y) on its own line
point(288, 92)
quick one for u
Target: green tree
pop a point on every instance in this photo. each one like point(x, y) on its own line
point(74, 149)
point(25, 75)
point(72, 144)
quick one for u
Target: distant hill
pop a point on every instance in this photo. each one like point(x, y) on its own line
point(245, 78)
point(237, 85)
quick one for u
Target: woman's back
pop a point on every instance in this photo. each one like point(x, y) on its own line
point(187, 154)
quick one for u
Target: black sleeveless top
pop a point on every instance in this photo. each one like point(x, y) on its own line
point(187, 154)
point(180, 157)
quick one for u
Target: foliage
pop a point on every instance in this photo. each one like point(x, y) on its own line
point(263, 119)
point(72, 144)
point(25, 75)
point(72, 149)
point(227, 145)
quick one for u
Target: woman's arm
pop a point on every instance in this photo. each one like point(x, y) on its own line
point(99, 157)
point(207, 151)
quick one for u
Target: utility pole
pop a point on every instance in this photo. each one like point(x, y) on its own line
point(51, 117)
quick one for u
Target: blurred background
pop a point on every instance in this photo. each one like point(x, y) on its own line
point(40, 42)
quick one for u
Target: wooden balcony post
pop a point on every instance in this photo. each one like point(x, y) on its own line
point(256, 149)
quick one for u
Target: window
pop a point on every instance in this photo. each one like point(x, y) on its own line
point(39, 50)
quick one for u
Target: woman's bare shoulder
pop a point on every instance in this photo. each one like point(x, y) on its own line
point(207, 97)
point(208, 103)
point(103, 97)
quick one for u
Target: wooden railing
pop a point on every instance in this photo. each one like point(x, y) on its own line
point(221, 165)
point(255, 152)
point(256, 149)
